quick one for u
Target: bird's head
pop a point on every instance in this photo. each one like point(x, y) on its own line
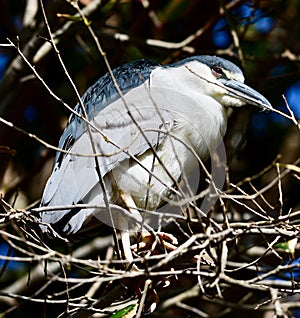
point(221, 80)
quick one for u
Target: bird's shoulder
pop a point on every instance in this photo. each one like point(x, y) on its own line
point(103, 92)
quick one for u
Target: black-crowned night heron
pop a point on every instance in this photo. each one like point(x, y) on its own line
point(132, 149)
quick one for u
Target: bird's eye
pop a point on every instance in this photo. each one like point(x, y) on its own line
point(217, 72)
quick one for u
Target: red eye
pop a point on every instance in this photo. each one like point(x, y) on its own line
point(217, 72)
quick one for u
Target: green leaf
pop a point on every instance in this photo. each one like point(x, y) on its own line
point(289, 246)
point(126, 312)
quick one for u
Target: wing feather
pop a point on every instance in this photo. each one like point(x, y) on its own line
point(124, 131)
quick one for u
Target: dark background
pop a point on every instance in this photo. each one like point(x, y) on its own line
point(262, 37)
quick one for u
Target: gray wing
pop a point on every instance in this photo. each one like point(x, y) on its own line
point(102, 94)
point(124, 131)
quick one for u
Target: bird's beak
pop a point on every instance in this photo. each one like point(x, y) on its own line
point(246, 93)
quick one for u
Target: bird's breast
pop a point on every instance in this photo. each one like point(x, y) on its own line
point(175, 162)
point(202, 128)
point(151, 180)
point(199, 124)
